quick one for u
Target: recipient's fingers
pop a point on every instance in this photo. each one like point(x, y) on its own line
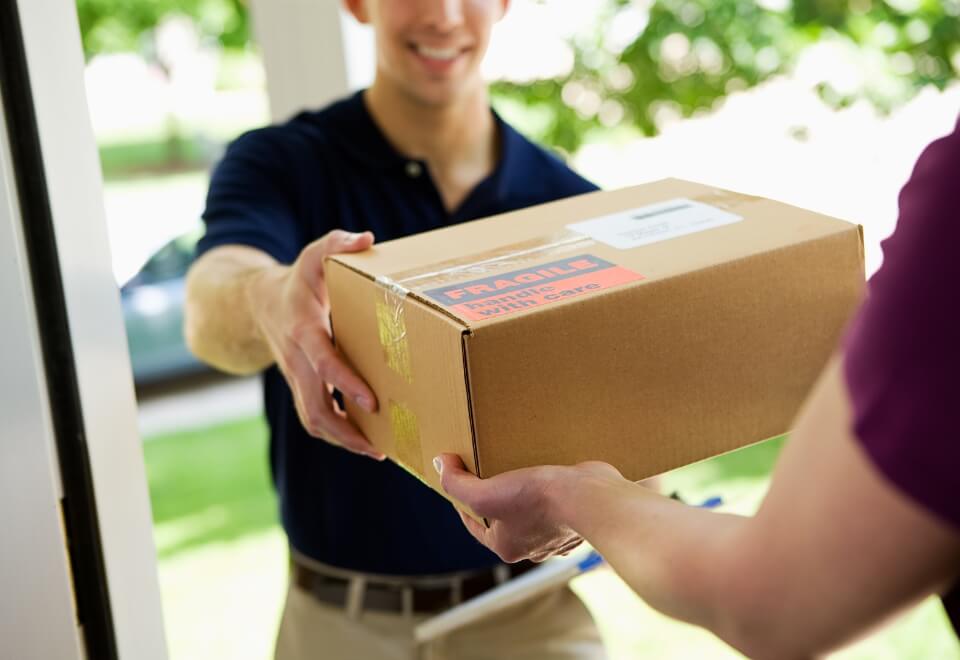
point(477, 530)
point(570, 546)
point(461, 484)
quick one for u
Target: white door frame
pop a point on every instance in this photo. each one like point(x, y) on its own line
point(77, 538)
point(312, 51)
point(37, 617)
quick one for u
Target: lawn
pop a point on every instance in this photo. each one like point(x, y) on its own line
point(222, 556)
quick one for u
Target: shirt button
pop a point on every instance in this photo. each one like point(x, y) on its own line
point(414, 169)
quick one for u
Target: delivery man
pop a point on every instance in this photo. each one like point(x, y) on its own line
point(373, 552)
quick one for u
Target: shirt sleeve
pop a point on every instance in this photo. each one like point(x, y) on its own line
point(253, 198)
point(902, 351)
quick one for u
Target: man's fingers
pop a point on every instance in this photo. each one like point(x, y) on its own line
point(327, 363)
point(341, 431)
point(338, 241)
point(315, 407)
point(335, 371)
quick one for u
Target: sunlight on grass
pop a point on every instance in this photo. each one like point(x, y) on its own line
point(222, 553)
point(222, 600)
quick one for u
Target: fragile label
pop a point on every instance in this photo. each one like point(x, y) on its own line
point(537, 285)
point(654, 223)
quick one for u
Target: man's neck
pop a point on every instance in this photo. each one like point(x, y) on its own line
point(458, 140)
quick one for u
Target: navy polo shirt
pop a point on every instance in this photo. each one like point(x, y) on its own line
point(279, 188)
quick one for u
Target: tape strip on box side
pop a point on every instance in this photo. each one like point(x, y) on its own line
point(392, 327)
point(406, 437)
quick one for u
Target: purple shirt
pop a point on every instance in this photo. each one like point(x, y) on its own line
point(902, 352)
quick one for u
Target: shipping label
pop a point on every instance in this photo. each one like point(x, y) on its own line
point(654, 223)
point(537, 285)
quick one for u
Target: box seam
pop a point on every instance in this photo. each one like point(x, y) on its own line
point(464, 336)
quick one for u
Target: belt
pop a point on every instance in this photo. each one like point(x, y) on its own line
point(414, 595)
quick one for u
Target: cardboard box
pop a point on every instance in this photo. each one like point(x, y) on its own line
point(648, 327)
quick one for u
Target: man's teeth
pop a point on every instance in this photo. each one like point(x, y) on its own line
point(438, 53)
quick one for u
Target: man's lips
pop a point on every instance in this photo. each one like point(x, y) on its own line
point(443, 54)
point(438, 59)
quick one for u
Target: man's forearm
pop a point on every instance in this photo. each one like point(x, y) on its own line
point(220, 325)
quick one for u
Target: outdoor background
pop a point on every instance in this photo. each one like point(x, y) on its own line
point(822, 103)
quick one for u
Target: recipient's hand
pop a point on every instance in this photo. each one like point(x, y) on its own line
point(521, 506)
point(292, 311)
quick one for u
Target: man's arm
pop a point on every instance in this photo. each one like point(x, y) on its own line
point(220, 323)
point(245, 311)
point(834, 549)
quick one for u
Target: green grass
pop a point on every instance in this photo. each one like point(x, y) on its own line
point(223, 556)
point(210, 486)
point(155, 155)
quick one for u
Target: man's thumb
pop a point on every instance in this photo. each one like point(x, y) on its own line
point(345, 241)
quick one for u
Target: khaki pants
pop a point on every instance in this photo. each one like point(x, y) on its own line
point(555, 626)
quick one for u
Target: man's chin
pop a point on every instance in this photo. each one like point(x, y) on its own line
point(437, 94)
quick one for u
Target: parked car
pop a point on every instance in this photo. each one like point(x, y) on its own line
point(152, 303)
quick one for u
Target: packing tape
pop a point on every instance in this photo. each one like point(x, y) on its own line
point(392, 328)
point(406, 437)
point(492, 261)
point(514, 255)
point(725, 199)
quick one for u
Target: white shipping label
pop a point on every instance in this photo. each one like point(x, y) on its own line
point(654, 223)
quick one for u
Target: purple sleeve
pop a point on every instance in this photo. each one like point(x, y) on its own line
point(902, 351)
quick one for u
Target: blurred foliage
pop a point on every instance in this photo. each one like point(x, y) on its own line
point(647, 63)
point(128, 25)
point(644, 63)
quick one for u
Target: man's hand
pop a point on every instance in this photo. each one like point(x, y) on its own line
point(291, 309)
point(520, 506)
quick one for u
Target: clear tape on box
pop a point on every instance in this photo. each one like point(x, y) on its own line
point(395, 288)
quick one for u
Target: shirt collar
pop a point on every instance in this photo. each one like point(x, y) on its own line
point(361, 138)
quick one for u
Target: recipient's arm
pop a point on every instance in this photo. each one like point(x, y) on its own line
point(833, 550)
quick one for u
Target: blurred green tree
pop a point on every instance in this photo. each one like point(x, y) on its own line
point(645, 62)
point(108, 26)
point(129, 25)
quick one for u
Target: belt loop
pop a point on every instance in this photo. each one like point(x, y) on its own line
point(355, 592)
point(456, 591)
point(406, 601)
